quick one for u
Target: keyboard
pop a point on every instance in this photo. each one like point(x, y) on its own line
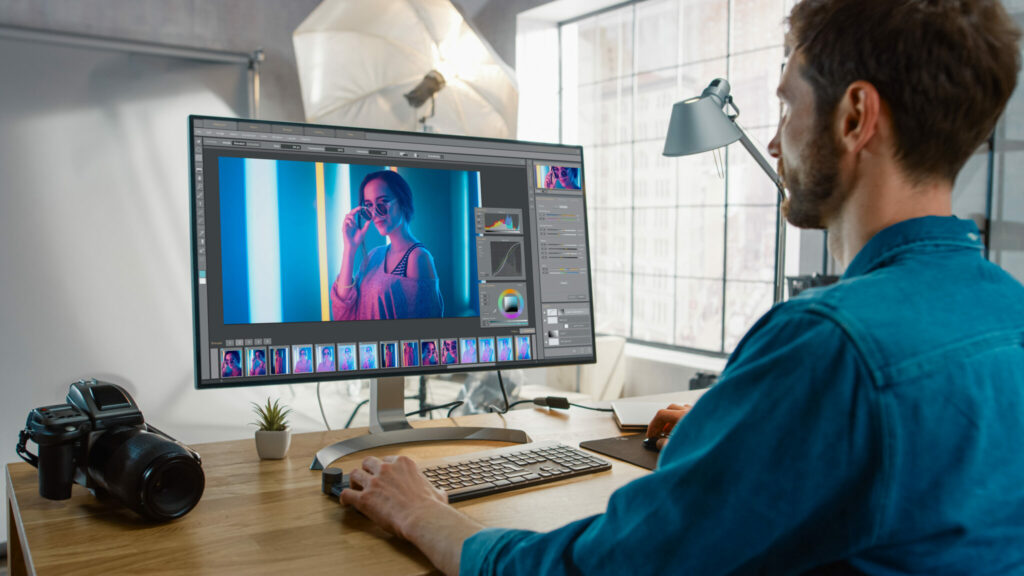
point(494, 471)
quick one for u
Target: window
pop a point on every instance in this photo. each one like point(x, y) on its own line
point(683, 249)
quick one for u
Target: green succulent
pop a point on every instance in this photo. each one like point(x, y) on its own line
point(271, 417)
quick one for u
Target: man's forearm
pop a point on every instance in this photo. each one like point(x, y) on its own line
point(439, 532)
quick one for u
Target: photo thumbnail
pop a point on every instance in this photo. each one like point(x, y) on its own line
point(410, 353)
point(368, 356)
point(346, 357)
point(504, 348)
point(325, 358)
point(231, 363)
point(487, 350)
point(279, 360)
point(302, 355)
point(256, 361)
point(559, 177)
point(450, 351)
point(467, 353)
point(523, 351)
point(428, 353)
point(389, 354)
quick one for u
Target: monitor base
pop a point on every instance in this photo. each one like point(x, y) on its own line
point(388, 426)
point(376, 440)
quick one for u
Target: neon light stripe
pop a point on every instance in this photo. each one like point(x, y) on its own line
point(263, 241)
point(321, 235)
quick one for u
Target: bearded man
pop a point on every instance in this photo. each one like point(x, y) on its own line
point(870, 427)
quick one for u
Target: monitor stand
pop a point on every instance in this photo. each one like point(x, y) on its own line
point(388, 426)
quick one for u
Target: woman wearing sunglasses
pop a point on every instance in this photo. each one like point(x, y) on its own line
point(396, 280)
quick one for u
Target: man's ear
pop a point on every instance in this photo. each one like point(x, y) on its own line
point(858, 116)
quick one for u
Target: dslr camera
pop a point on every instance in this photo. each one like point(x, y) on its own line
point(100, 440)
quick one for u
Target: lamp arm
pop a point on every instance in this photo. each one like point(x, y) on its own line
point(780, 226)
point(761, 161)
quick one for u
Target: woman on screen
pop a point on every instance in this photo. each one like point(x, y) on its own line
point(396, 280)
point(562, 177)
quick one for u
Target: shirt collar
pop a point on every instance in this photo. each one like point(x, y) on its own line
point(929, 230)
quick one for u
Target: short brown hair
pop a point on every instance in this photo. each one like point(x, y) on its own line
point(946, 69)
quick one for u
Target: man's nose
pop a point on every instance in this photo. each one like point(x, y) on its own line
point(774, 148)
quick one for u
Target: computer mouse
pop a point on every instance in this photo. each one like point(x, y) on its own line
point(651, 444)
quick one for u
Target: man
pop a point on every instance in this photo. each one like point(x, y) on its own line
point(869, 427)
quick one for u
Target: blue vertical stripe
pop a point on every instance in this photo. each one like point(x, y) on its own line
point(234, 251)
point(297, 221)
point(338, 186)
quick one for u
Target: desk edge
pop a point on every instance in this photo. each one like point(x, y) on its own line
point(19, 526)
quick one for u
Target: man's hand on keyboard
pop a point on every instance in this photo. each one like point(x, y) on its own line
point(664, 421)
point(396, 495)
point(392, 492)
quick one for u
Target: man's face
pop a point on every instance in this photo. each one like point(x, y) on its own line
point(807, 152)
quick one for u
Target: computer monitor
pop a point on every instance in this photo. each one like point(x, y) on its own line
point(295, 279)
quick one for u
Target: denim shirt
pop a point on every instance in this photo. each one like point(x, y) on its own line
point(874, 426)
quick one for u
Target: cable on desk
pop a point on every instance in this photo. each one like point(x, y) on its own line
point(594, 408)
point(450, 405)
point(558, 403)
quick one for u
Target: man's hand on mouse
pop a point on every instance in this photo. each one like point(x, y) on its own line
point(664, 421)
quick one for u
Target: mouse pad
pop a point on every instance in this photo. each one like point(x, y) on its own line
point(626, 448)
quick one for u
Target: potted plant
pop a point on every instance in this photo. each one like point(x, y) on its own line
point(273, 436)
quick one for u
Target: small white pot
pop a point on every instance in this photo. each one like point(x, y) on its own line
point(273, 444)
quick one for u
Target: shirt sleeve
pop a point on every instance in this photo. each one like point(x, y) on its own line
point(776, 469)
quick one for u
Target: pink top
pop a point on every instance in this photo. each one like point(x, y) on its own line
point(379, 295)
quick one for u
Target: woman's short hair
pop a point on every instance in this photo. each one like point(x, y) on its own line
point(398, 186)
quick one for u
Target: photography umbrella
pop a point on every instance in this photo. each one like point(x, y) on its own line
point(402, 65)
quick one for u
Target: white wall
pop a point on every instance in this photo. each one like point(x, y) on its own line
point(94, 247)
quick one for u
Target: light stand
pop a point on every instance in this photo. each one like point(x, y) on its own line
point(708, 122)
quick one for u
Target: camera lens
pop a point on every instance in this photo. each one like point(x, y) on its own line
point(150, 474)
point(172, 486)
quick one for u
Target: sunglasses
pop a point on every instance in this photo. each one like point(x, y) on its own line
point(380, 208)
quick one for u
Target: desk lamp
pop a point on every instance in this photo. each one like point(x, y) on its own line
point(708, 122)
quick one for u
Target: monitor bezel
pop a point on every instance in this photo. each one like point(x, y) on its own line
point(247, 381)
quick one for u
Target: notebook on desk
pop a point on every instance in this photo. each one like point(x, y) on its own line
point(635, 415)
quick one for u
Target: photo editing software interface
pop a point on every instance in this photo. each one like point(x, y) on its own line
point(295, 279)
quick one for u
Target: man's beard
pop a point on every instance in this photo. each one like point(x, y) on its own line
point(815, 193)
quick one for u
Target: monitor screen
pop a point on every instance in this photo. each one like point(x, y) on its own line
point(327, 253)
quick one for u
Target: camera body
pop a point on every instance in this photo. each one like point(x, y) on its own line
point(100, 440)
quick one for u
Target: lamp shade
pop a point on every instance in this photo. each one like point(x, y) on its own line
point(701, 124)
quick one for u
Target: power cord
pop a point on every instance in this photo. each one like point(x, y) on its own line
point(451, 406)
point(321, 404)
point(504, 394)
point(355, 410)
point(556, 402)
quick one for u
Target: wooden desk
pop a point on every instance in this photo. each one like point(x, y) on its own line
point(270, 517)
